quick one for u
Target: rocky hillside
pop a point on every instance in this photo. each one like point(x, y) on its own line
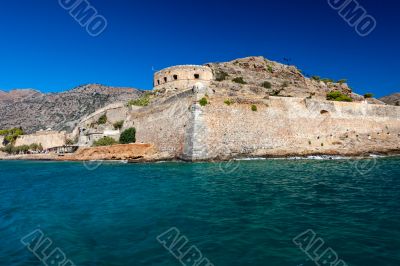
point(257, 76)
point(33, 110)
point(393, 99)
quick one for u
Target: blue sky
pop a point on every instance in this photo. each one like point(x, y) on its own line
point(44, 48)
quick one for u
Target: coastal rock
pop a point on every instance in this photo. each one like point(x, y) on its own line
point(115, 152)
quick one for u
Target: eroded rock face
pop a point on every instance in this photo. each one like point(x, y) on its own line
point(264, 77)
point(116, 152)
point(33, 110)
point(393, 99)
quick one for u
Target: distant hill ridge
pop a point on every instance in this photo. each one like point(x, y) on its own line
point(393, 99)
point(33, 110)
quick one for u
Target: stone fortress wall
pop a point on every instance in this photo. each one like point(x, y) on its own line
point(87, 135)
point(164, 125)
point(295, 126)
point(181, 77)
point(48, 139)
point(179, 127)
point(1, 141)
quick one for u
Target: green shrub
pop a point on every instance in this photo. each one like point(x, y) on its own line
point(22, 149)
point(239, 80)
point(254, 108)
point(203, 101)
point(7, 149)
point(266, 84)
point(270, 70)
point(228, 102)
point(338, 96)
point(342, 81)
point(105, 141)
point(118, 124)
point(142, 101)
point(149, 93)
point(344, 98)
point(277, 92)
point(102, 120)
point(221, 75)
point(128, 136)
point(285, 84)
point(326, 80)
point(11, 135)
point(11, 149)
point(36, 147)
point(368, 95)
point(316, 78)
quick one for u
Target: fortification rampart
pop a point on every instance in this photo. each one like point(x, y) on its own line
point(163, 125)
point(1, 141)
point(48, 139)
point(293, 126)
point(179, 127)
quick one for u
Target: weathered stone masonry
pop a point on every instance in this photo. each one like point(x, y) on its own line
point(180, 78)
point(180, 128)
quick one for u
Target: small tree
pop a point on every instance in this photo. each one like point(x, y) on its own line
point(33, 147)
point(11, 135)
point(368, 95)
point(254, 108)
point(8, 149)
point(239, 80)
point(128, 136)
point(102, 120)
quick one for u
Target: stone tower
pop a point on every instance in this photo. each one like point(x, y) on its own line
point(178, 78)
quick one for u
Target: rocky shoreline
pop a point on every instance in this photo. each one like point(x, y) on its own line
point(144, 153)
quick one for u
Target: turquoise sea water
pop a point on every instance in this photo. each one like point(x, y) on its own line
point(243, 213)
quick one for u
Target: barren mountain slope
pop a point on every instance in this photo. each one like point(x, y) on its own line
point(33, 110)
point(393, 99)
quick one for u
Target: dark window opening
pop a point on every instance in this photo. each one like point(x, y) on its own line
point(324, 112)
point(196, 76)
point(175, 77)
point(158, 81)
point(165, 79)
